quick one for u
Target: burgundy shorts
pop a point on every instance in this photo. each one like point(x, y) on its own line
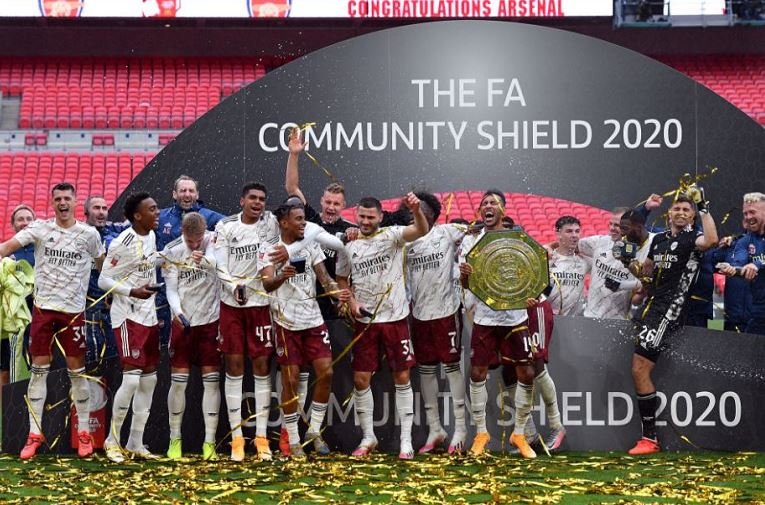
point(437, 340)
point(137, 344)
point(68, 329)
point(301, 347)
point(506, 345)
point(394, 338)
point(246, 328)
point(197, 345)
point(541, 328)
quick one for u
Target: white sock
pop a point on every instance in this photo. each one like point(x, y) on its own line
point(302, 391)
point(405, 408)
point(478, 398)
point(37, 392)
point(318, 411)
point(546, 387)
point(233, 391)
point(429, 391)
point(457, 388)
point(210, 404)
point(524, 400)
point(262, 404)
point(364, 403)
point(291, 424)
point(141, 408)
point(81, 397)
point(176, 402)
point(511, 391)
point(122, 400)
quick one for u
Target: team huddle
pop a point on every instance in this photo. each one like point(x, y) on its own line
point(258, 286)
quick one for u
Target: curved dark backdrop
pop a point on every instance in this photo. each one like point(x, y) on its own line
point(563, 76)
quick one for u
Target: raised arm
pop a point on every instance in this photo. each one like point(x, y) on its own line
point(291, 178)
point(709, 229)
point(420, 226)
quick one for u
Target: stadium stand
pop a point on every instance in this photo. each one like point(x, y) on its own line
point(121, 93)
point(28, 177)
point(173, 93)
point(537, 214)
point(739, 79)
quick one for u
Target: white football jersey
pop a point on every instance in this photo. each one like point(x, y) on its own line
point(601, 301)
point(196, 285)
point(131, 262)
point(63, 260)
point(293, 305)
point(567, 275)
point(430, 262)
point(485, 315)
point(236, 248)
point(375, 266)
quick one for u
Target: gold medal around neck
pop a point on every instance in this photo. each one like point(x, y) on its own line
point(509, 267)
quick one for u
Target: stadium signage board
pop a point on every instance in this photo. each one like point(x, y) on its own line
point(416, 9)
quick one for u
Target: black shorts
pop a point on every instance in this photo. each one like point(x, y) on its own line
point(652, 334)
point(5, 354)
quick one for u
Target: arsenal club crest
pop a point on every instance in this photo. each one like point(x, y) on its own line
point(269, 8)
point(61, 8)
point(161, 8)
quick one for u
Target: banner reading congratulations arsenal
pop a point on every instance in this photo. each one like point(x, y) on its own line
point(312, 8)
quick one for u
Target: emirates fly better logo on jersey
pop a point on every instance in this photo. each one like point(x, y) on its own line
point(269, 8)
point(61, 8)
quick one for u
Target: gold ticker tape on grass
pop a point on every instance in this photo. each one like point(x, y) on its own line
point(698, 477)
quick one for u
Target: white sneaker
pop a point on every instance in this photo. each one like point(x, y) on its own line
point(435, 440)
point(457, 444)
point(114, 452)
point(407, 451)
point(140, 451)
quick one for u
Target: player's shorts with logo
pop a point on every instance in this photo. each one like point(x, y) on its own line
point(437, 340)
point(506, 345)
point(246, 328)
point(301, 347)
point(138, 345)
point(541, 328)
point(394, 339)
point(197, 345)
point(68, 329)
point(652, 333)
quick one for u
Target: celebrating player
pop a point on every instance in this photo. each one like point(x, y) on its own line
point(129, 274)
point(245, 323)
point(503, 332)
point(301, 336)
point(436, 328)
point(568, 269)
point(673, 261)
point(375, 266)
point(193, 292)
point(64, 252)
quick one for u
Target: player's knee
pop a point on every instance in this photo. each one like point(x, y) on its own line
point(525, 374)
point(260, 367)
point(478, 374)
point(324, 375)
point(360, 383)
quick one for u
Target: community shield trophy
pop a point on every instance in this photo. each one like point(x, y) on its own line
point(508, 268)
